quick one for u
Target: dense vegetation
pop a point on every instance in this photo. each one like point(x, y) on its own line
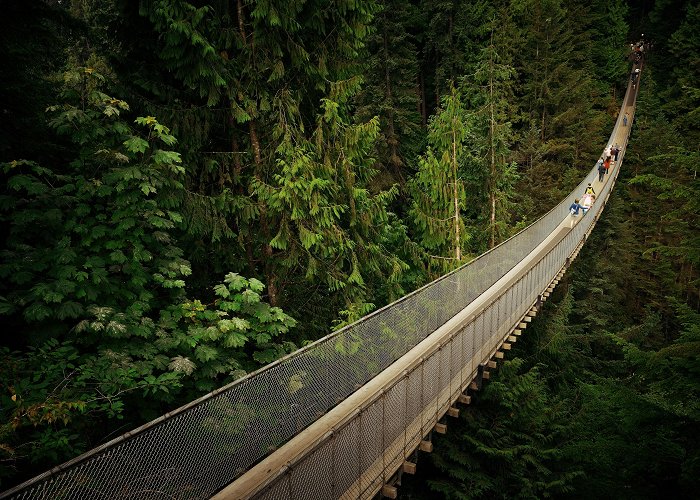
point(192, 189)
point(600, 398)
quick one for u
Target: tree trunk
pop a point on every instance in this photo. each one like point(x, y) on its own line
point(350, 186)
point(452, 49)
point(421, 98)
point(391, 138)
point(455, 193)
point(237, 166)
point(493, 148)
point(241, 26)
point(270, 277)
point(255, 143)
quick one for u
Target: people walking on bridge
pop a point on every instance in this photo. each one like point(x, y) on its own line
point(589, 190)
point(601, 170)
point(615, 151)
point(586, 202)
point(574, 209)
point(625, 119)
point(607, 154)
point(606, 165)
point(635, 77)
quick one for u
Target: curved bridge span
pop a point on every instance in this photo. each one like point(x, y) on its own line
point(340, 417)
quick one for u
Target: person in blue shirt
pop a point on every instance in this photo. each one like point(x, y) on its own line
point(574, 210)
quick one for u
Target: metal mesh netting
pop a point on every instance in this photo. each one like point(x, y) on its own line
point(198, 449)
point(427, 382)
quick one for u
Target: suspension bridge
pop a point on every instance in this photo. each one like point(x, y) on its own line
point(346, 415)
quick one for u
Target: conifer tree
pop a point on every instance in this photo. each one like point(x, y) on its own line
point(391, 80)
point(438, 187)
point(331, 225)
point(451, 42)
point(607, 20)
point(94, 282)
point(508, 445)
point(557, 96)
point(492, 101)
point(267, 64)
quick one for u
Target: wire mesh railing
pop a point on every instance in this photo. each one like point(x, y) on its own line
point(356, 458)
point(196, 450)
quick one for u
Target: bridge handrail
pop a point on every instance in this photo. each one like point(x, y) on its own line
point(354, 450)
point(230, 429)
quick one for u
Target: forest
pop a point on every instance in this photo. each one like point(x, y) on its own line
point(194, 189)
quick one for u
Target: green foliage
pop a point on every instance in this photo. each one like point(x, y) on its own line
point(223, 340)
point(391, 79)
point(285, 172)
point(677, 392)
point(97, 230)
point(557, 95)
point(92, 262)
point(53, 394)
point(330, 224)
point(609, 47)
point(491, 98)
point(510, 445)
point(438, 188)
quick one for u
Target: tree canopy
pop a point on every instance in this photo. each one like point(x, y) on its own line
point(193, 189)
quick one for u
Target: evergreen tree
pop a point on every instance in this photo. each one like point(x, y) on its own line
point(438, 187)
point(331, 226)
point(492, 100)
point(608, 49)
point(269, 64)
point(557, 95)
point(509, 443)
point(93, 279)
point(390, 91)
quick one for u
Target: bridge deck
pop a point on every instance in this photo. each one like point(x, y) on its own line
point(263, 480)
point(357, 445)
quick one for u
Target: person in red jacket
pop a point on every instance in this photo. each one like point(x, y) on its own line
point(601, 170)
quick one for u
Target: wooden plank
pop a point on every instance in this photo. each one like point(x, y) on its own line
point(389, 491)
point(474, 386)
point(453, 412)
point(505, 346)
point(498, 355)
point(409, 468)
point(426, 446)
point(527, 319)
point(486, 375)
point(512, 339)
point(522, 326)
point(441, 428)
point(517, 332)
point(492, 364)
point(464, 399)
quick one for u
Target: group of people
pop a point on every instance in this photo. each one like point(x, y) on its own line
point(584, 204)
point(609, 155)
point(638, 49)
point(635, 77)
